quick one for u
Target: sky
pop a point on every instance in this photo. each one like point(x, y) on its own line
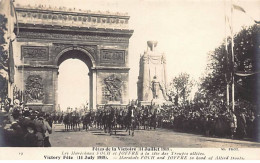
point(73, 87)
point(186, 31)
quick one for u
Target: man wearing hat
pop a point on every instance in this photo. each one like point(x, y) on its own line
point(26, 118)
point(40, 129)
point(29, 138)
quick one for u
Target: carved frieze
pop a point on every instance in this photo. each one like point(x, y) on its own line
point(35, 53)
point(34, 89)
point(112, 56)
point(112, 90)
point(79, 19)
point(57, 36)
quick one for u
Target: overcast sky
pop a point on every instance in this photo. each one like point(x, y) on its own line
point(185, 30)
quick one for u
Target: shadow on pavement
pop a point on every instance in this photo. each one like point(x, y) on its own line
point(96, 132)
point(119, 135)
point(100, 134)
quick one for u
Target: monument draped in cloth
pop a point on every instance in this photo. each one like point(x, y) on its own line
point(152, 79)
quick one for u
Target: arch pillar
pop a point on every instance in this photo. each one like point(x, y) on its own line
point(55, 74)
point(93, 89)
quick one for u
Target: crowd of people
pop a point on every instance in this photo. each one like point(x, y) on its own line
point(214, 120)
point(24, 127)
point(209, 120)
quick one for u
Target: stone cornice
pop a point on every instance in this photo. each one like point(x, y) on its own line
point(65, 9)
point(71, 18)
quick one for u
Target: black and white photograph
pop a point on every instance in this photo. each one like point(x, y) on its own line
point(135, 73)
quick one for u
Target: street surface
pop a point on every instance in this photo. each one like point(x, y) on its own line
point(142, 138)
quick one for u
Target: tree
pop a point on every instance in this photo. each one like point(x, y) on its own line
point(247, 59)
point(219, 68)
point(180, 88)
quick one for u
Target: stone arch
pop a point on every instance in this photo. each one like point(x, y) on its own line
point(85, 53)
point(88, 59)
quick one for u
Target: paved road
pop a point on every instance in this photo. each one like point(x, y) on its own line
point(152, 138)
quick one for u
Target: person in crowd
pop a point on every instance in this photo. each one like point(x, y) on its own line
point(40, 128)
point(48, 130)
point(241, 124)
point(49, 119)
point(2, 109)
point(256, 128)
point(8, 104)
point(249, 123)
point(233, 123)
point(30, 139)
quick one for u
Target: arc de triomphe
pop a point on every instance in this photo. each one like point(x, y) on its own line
point(49, 36)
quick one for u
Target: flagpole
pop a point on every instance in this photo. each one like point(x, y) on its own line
point(9, 41)
point(23, 78)
point(226, 48)
point(233, 59)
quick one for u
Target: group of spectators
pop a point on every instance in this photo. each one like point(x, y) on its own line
point(24, 127)
point(214, 120)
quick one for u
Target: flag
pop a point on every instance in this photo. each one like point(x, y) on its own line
point(7, 9)
point(11, 63)
point(238, 8)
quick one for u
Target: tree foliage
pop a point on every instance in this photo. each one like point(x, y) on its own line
point(246, 60)
point(180, 88)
